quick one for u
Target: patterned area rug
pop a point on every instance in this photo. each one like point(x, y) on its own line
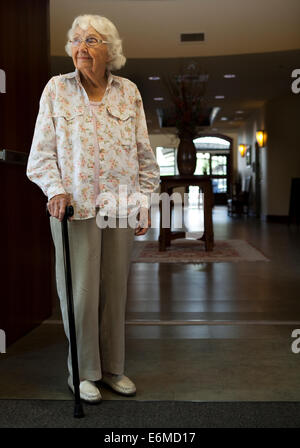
point(190, 250)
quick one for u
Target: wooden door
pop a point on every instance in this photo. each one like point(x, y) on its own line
point(26, 253)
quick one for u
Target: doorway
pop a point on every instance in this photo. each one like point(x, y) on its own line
point(214, 160)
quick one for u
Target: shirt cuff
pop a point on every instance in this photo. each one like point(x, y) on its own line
point(54, 191)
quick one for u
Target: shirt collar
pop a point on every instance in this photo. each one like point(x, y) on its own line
point(112, 79)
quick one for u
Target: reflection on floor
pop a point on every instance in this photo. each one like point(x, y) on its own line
point(208, 332)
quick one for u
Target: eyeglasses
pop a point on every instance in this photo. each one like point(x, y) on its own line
point(89, 42)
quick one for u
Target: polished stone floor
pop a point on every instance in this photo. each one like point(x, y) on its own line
point(206, 332)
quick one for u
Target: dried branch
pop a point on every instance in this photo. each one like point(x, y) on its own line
point(187, 91)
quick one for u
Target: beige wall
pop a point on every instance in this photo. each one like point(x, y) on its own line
point(165, 140)
point(280, 159)
point(283, 150)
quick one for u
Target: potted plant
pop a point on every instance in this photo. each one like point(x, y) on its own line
point(187, 95)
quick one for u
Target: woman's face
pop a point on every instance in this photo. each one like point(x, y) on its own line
point(89, 58)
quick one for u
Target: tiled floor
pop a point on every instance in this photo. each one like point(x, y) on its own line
point(234, 337)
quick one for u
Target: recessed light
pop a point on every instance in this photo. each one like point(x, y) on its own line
point(239, 111)
point(224, 118)
point(159, 98)
point(219, 97)
point(154, 78)
point(229, 75)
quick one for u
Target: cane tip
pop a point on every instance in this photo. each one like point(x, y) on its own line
point(78, 411)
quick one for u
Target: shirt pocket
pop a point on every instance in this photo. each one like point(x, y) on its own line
point(71, 137)
point(68, 123)
point(122, 125)
point(67, 114)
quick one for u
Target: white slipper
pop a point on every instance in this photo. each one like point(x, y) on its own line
point(88, 391)
point(119, 383)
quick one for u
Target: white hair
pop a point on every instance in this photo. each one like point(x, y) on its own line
point(108, 30)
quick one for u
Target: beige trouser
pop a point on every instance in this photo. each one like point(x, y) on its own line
point(100, 262)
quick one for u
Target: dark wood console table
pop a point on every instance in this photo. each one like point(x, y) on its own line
point(167, 184)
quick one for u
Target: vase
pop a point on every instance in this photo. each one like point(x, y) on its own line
point(186, 155)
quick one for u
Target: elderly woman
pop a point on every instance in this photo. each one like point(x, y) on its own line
point(90, 140)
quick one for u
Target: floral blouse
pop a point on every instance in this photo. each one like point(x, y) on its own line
point(90, 152)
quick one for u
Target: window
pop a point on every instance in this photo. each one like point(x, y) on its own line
point(212, 144)
point(202, 164)
point(166, 158)
point(219, 165)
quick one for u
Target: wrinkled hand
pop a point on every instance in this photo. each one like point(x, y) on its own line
point(144, 218)
point(57, 206)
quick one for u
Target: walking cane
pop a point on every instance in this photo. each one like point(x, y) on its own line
point(69, 211)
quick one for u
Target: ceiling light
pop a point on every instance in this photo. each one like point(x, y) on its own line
point(159, 98)
point(219, 97)
point(154, 78)
point(229, 75)
point(224, 118)
point(239, 111)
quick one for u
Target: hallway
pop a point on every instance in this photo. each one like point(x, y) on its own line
point(233, 342)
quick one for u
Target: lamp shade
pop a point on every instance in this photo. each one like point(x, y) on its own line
point(242, 149)
point(261, 138)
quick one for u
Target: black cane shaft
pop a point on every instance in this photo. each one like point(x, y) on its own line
point(69, 211)
point(71, 317)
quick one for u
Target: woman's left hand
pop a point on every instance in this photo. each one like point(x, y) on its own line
point(144, 218)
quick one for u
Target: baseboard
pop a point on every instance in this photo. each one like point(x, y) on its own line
point(282, 219)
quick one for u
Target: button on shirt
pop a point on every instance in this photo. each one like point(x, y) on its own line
point(98, 153)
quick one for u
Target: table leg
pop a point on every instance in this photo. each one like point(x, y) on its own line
point(162, 232)
point(208, 224)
